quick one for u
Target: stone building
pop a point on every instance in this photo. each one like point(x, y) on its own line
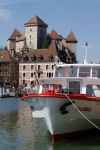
point(34, 34)
point(37, 61)
point(9, 68)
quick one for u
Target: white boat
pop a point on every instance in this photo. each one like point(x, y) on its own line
point(70, 101)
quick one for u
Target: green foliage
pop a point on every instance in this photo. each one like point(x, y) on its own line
point(25, 48)
point(47, 41)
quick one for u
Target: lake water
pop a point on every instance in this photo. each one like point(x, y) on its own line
point(19, 131)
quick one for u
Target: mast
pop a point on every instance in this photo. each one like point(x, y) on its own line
point(86, 45)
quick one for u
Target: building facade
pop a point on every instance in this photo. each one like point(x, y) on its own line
point(38, 61)
point(37, 64)
point(9, 68)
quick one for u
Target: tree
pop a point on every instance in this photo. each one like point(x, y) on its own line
point(47, 41)
point(25, 48)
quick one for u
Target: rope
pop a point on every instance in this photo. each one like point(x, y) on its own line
point(82, 113)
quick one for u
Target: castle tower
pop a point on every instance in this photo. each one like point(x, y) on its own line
point(11, 42)
point(71, 42)
point(35, 33)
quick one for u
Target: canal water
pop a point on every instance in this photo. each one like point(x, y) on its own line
point(19, 131)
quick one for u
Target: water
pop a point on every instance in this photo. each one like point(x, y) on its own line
point(19, 131)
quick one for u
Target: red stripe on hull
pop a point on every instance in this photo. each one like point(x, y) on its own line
point(71, 96)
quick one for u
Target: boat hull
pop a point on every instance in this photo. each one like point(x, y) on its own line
point(63, 115)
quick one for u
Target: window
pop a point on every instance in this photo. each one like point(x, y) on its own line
point(39, 75)
point(30, 30)
point(23, 75)
point(32, 74)
point(38, 67)
point(24, 67)
point(49, 74)
point(33, 58)
point(30, 42)
point(40, 58)
point(32, 67)
point(30, 36)
point(23, 81)
point(51, 58)
point(52, 67)
point(25, 58)
point(46, 67)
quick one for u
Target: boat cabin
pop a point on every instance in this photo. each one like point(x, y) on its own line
point(77, 70)
point(75, 78)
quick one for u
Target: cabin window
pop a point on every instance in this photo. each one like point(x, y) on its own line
point(93, 90)
point(59, 72)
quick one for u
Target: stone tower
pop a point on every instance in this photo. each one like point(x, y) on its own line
point(35, 33)
point(11, 42)
point(71, 42)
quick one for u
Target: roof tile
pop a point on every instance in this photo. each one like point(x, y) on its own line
point(16, 33)
point(71, 37)
point(36, 21)
point(55, 35)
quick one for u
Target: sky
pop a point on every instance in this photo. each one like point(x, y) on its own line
point(80, 16)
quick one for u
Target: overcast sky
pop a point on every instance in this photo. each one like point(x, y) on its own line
point(80, 16)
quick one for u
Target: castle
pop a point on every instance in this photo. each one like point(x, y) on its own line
point(37, 60)
point(35, 35)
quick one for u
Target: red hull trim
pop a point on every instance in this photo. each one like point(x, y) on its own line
point(54, 95)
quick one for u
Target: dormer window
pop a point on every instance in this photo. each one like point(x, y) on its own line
point(40, 58)
point(51, 58)
point(25, 58)
point(33, 58)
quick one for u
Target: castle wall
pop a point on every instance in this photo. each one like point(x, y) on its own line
point(11, 44)
point(72, 47)
point(19, 45)
point(31, 36)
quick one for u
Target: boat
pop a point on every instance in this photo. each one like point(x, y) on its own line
point(6, 90)
point(70, 101)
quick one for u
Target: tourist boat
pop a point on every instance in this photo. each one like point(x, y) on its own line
point(70, 101)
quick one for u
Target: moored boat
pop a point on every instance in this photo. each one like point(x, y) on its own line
point(70, 101)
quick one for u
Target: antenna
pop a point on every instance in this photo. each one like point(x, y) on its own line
point(86, 45)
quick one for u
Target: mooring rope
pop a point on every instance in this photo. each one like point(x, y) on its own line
point(82, 113)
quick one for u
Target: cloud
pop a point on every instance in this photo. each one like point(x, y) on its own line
point(5, 14)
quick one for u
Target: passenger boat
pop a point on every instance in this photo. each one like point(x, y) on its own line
point(70, 101)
